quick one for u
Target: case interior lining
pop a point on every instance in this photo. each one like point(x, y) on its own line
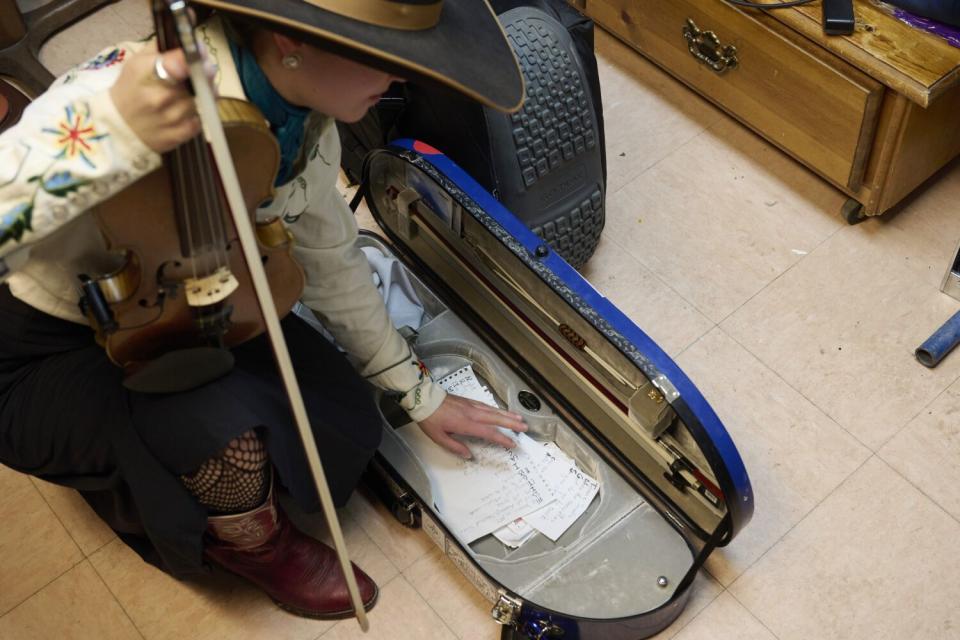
point(608, 564)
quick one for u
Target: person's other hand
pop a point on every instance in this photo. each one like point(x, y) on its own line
point(460, 416)
point(162, 113)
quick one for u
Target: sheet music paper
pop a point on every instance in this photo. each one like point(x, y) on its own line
point(575, 491)
point(515, 534)
point(464, 382)
point(478, 496)
point(509, 493)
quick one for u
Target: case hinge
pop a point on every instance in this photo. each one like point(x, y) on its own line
point(507, 610)
point(407, 511)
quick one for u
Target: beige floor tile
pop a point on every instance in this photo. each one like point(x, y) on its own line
point(34, 547)
point(874, 560)
point(83, 40)
point(841, 328)
point(454, 599)
point(647, 114)
point(218, 606)
point(138, 17)
point(75, 606)
point(725, 619)
point(362, 550)
point(400, 614)
point(927, 450)
point(723, 217)
point(84, 526)
point(401, 545)
point(656, 308)
point(705, 591)
point(794, 454)
point(924, 233)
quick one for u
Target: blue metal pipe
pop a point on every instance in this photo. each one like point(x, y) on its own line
point(942, 342)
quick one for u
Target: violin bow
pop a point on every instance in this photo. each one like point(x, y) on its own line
point(213, 132)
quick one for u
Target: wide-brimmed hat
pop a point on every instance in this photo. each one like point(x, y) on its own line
point(458, 43)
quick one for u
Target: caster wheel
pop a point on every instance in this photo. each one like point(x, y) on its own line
point(852, 212)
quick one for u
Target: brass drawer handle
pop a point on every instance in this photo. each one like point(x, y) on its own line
point(705, 46)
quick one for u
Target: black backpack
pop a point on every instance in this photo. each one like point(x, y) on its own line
point(546, 163)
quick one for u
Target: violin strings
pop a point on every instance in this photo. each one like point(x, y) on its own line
point(198, 191)
point(211, 210)
point(184, 198)
point(215, 219)
point(203, 190)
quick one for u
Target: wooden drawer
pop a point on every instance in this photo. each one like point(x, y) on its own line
point(797, 95)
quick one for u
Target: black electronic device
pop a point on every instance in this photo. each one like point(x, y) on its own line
point(838, 18)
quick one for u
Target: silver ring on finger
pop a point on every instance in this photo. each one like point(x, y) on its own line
point(160, 73)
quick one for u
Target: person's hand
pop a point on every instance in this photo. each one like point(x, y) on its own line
point(161, 112)
point(465, 417)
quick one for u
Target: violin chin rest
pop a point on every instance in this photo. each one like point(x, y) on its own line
point(179, 370)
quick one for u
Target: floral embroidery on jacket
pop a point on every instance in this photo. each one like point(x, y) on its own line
point(15, 222)
point(60, 183)
point(18, 220)
point(423, 371)
point(315, 154)
point(297, 200)
point(76, 136)
point(108, 59)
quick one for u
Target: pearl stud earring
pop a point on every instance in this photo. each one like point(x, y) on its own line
point(292, 61)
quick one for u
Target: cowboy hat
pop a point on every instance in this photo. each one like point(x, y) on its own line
point(455, 43)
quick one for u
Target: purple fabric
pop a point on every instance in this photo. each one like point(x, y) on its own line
point(949, 33)
point(945, 11)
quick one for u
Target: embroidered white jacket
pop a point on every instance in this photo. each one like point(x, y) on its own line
point(71, 150)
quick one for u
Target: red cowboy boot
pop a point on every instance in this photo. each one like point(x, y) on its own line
point(300, 573)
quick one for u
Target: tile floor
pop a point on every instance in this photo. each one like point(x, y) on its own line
point(797, 328)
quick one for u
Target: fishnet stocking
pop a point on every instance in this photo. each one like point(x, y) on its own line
point(234, 481)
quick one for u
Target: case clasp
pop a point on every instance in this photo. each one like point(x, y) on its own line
point(507, 610)
point(650, 408)
point(406, 227)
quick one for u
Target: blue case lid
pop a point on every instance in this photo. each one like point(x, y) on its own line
point(692, 408)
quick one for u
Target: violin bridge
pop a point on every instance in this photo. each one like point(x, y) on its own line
point(210, 289)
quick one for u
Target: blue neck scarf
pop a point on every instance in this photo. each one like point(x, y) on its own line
point(286, 120)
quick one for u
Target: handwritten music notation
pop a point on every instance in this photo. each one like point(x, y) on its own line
point(511, 493)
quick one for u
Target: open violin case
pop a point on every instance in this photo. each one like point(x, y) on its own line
point(553, 349)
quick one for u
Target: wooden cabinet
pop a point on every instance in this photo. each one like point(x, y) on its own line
point(876, 113)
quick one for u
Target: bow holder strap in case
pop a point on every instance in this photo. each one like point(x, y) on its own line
point(672, 483)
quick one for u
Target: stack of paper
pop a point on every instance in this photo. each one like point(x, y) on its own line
point(574, 492)
point(511, 493)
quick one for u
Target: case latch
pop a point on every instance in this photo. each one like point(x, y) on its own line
point(406, 227)
point(651, 409)
point(507, 610)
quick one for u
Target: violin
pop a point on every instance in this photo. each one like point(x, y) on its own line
point(183, 294)
point(196, 278)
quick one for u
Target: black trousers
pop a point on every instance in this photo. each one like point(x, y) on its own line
point(66, 418)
